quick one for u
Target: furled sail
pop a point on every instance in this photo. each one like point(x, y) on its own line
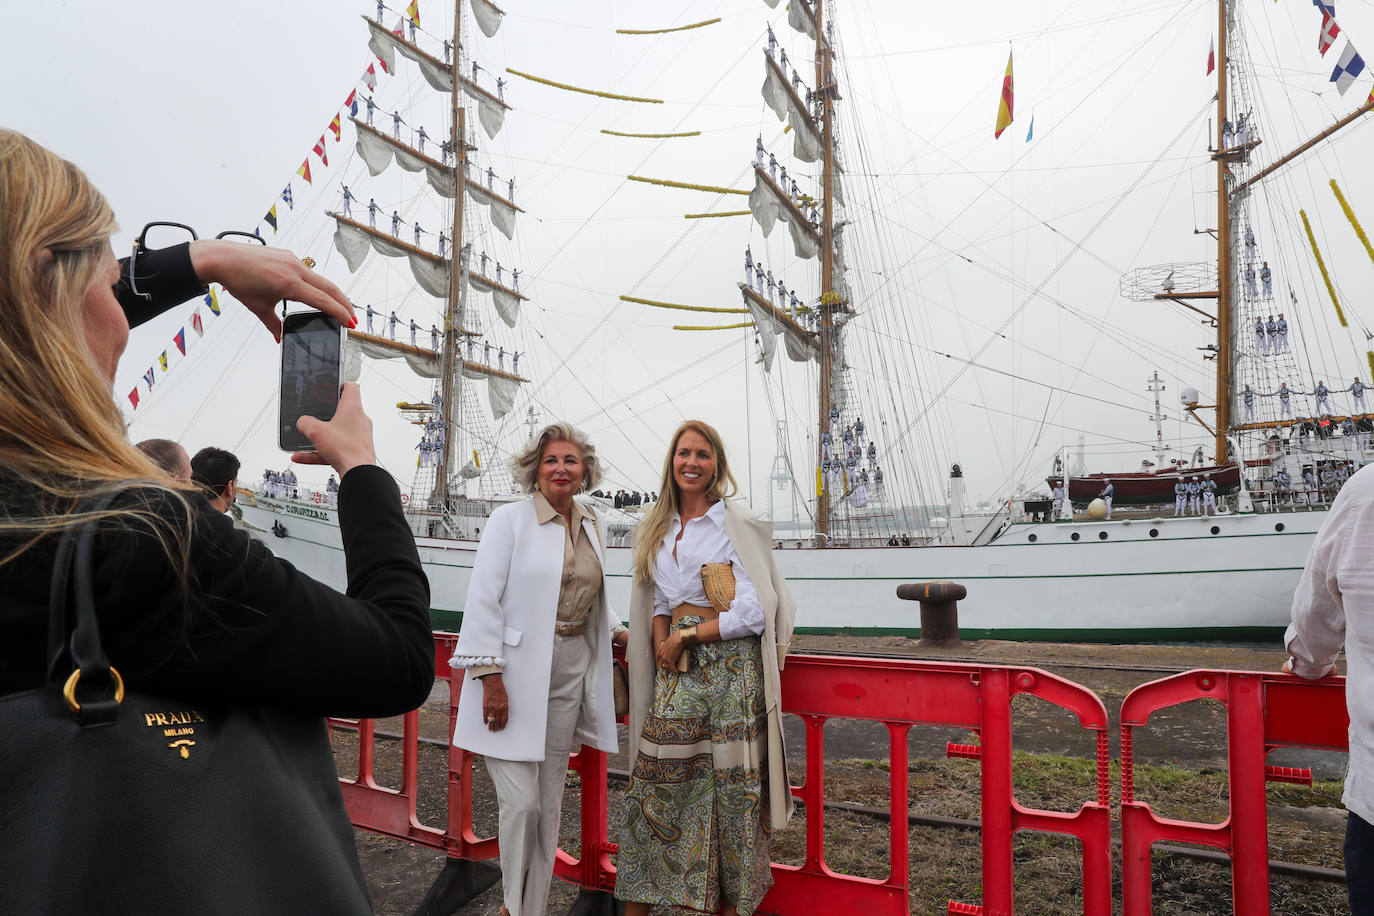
point(502, 211)
point(488, 16)
point(767, 328)
point(353, 239)
point(768, 204)
point(378, 150)
point(806, 144)
point(387, 44)
point(769, 322)
point(491, 111)
point(801, 17)
point(424, 363)
point(507, 300)
point(501, 389)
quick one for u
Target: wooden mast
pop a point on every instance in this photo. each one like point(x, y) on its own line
point(1224, 295)
point(450, 391)
point(824, 310)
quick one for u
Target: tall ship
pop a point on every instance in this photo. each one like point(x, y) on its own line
point(849, 457)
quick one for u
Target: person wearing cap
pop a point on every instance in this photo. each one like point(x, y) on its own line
point(1194, 496)
point(1209, 495)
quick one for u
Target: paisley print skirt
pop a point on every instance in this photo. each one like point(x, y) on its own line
point(696, 812)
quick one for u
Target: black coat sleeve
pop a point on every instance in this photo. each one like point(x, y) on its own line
point(165, 276)
point(256, 630)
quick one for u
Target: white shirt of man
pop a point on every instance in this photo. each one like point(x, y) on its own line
point(1334, 605)
point(678, 581)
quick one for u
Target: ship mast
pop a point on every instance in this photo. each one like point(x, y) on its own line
point(450, 392)
point(825, 83)
point(1224, 310)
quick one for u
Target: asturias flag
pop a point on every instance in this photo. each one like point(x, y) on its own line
point(1004, 106)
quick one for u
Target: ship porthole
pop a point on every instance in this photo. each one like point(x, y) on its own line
point(1074, 536)
point(1279, 526)
point(1101, 535)
point(1216, 529)
point(1032, 538)
point(1154, 532)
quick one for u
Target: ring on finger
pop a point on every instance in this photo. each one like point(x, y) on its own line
point(309, 262)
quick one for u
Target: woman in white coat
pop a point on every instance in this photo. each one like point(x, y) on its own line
point(536, 643)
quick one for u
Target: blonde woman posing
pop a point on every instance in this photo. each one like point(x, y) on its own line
point(709, 781)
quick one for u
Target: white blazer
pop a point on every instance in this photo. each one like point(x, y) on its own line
point(508, 620)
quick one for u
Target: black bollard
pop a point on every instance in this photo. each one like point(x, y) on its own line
point(939, 610)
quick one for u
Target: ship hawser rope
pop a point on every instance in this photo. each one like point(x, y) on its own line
point(718, 327)
point(1312, 239)
point(709, 215)
point(679, 28)
point(664, 182)
point(685, 308)
point(595, 92)
point(1350, 215)
point(688, 133)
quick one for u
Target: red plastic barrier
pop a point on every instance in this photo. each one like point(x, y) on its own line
point(1263, 712)
point(900, 694)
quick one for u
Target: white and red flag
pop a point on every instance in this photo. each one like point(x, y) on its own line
point(1329, 32)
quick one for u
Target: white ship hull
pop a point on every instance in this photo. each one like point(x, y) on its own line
point(1116, 582)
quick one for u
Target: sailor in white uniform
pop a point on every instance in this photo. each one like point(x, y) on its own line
point(1309, 482)
point(491, 175)
point(1057, 494)
point(1180, 498)
point(796, 304)
point(501, 358)
point(372, 212)
point(1285, 401)
point(418, 232)
point(1267, 280)
point(782, 62)
point(396, 224)
point(396, 123)
point(515, 279)
point(848, 437)
point(1209, 495)
point(470, 349)
point(433, 337)
point(499, 282)
point(1250, 290)
point(1282, 327)
point(1249, 397)
point(1228, 134)
point(413, 328)
point(391, 322)
point(772, 166)
point(348, 201)
point(1261, 340)
point(758, 151)
point(1249, 243)
point(1271, 327)
point(826, 440)
point(834, 416)
point(421, 136)
point(1194, 496)
point(771, 287)
point(772, 40)
point(878, 482)
point(1106, 497)
point(475, 68)
point(510, 190)
point(443, 240)
point(748, 266)
point(1357, 392)
point(1321, 392)
point(515, 362)
point(371, 107)
point(486, 353)
point(873, 453)
point(1283, 486)
point(501, 88)
point(483, 262)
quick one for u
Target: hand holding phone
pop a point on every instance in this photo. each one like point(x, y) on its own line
point(311, 372)
point(343, 442)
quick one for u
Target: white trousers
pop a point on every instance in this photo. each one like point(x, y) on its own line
point(530, 794)
point(1209, 503)
point(1180, 505)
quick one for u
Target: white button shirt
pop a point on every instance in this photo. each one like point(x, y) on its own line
point(678, 581)
point(1334, 605)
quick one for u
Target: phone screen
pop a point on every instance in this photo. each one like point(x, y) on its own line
point(310, 374)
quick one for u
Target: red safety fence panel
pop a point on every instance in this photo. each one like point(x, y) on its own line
point(899, 694)
point(1263, 712)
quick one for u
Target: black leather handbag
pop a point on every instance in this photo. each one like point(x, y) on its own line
point(118, 801)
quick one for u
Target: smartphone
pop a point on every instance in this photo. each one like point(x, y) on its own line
point(311, 374)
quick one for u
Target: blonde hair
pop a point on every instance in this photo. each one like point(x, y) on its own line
point(61, 435)
point(525, 466)
point(654, 527)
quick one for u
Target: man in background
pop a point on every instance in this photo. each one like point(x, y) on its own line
point(216, 471)
point(1334, 606)
point(169, 456)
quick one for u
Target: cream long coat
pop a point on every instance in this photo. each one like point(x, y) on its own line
point(752, 538)
point(508, 619)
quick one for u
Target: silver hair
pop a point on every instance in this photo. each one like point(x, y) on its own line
point(525, 466)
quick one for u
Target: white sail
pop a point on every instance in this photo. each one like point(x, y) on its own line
point(386, 45)
point(801, 18)
point(800, 347)
point(378, 153)
point(507, 303)
point(490, 112)
point(502, 213)
point(767, 328)
point(430, 271)
point(806, 145)
point(768, 208)
point(488, 16)
point(501, 391)
point(426, 365)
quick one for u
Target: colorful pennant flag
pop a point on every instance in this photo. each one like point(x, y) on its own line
point(413, 12)
point(1212, 56)
point(335, 126)
point(212, 300)
point(1350, 66)
point(304, 171)
point(196, 324)
point(1004, 105)
point(320, 151)
point(133, 397)
point(271, 218)
point(148, 377)
point(286, 196)
point(162, 358)
point(180, 341)
point(1329, 32)
point(1326, 6)
point(370, 78)
point(381, 63)
point(1031, 133)
point(352, 103)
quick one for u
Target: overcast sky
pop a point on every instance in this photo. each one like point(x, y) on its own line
point(963, 248)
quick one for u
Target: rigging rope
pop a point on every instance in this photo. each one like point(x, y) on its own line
point(688, 133)
point(685, 308)
point(719, 327)
point(664, 182)
point(711, 215)
point(678, 28)
point(595, 92)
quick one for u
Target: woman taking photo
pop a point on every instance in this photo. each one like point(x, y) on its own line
point(188, 608)
point(709, 780)
point(536, 643)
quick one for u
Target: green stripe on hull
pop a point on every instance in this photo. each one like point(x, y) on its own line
point(451, 621)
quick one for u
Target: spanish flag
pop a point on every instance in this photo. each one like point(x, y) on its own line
point(1004, 109)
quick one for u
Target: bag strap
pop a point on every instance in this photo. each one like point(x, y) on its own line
point(76, 652)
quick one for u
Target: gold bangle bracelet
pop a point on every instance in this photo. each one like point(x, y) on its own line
point(689, 635)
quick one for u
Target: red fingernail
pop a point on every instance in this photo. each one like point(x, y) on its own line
point(354, 322)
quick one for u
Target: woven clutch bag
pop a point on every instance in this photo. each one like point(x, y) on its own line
point(718, 579)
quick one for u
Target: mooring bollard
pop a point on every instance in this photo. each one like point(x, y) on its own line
point(939, 610)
